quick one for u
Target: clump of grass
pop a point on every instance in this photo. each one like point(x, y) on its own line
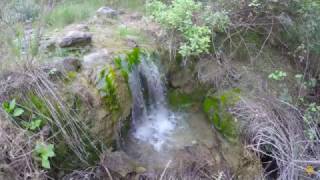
point(72, 11)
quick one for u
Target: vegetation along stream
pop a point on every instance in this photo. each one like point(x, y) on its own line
point(159, 90)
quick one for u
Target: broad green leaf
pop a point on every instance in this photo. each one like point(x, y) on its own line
point(12, 104)
point(5, 106)
point(45, 162)
point(18, 112)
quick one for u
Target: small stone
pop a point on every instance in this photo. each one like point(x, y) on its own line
point(107, 12)
point(71, 64)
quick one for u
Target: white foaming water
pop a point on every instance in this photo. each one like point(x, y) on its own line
point(156, 129)
point(152, 120)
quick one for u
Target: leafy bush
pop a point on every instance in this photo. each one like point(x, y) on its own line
point(191, 20)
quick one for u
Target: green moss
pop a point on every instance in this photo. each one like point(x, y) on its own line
point(216, 108)
point(180, 100)
point(71, 75)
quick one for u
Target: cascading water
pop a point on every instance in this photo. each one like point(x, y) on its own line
point(153, 121)
point(157, 132)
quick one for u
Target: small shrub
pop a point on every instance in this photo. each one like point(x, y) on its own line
point(192, 22)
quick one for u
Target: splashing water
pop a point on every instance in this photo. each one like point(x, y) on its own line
point(153, 121)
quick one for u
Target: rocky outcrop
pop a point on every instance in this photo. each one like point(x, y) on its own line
point(75, 38)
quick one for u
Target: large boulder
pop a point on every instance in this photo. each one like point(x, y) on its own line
point(75, 38)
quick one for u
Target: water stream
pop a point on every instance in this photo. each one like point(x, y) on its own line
point(157, 131)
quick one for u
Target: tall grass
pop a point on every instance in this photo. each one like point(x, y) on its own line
point(72, 11)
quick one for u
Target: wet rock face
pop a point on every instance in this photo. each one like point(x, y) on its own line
point(107, 12)
point(75, 38)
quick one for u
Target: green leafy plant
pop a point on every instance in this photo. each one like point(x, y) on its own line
point(126, 63)
point(108, 88)
point(44, 152)
point(277, 75)
point(12, 109)
point(33, 124)
point(191, 21)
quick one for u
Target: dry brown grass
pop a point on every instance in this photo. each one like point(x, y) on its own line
point(16, 148)
point(275, 129)
point(17, 144)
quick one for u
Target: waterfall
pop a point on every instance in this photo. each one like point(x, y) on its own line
point(152, 120)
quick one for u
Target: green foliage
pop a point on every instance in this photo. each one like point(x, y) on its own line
point(190, 19)
point(126, 63)
point(311, 83)
point(44, 152)
point(108, 88)
point(216, 108)
point(284, 93)
point(308, 26)
point(277, 75)
point(33, 125)
point(12, 109)
point(311, 118)
point(72, 11)
point(197, 41)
